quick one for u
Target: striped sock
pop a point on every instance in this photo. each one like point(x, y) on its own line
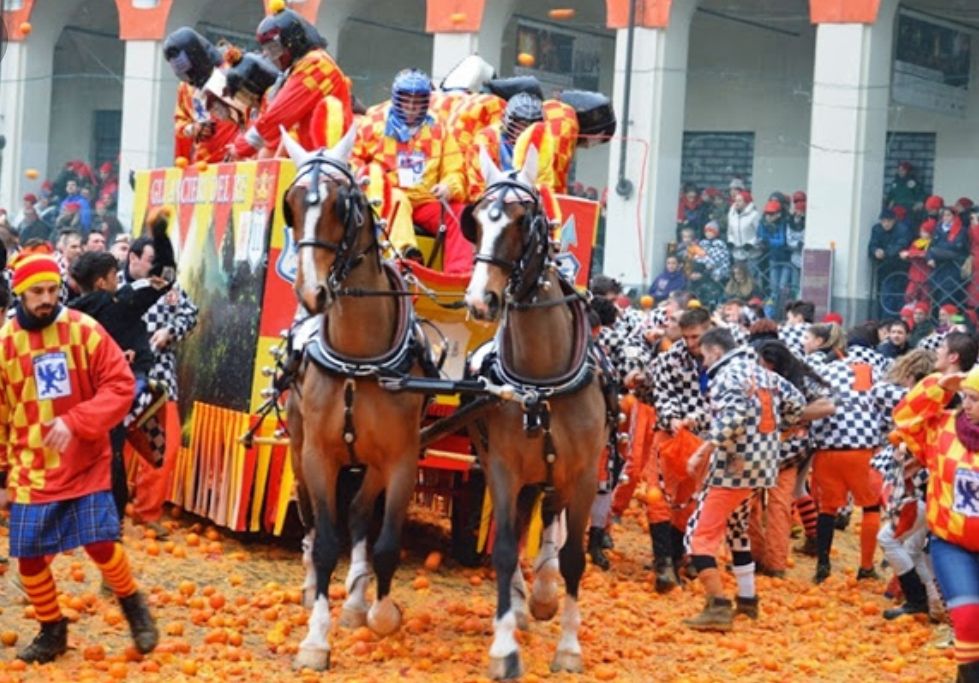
point(806, 507)
point(41, 591)
point(111, 560)
point(965, 621)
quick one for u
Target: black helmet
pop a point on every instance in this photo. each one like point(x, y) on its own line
point(522, 110)
point(253, 74)
point(285, 37)
point(191, 56)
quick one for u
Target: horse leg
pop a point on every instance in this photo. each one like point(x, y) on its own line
point(384, 617)
point(518, 587)
point(314, 650)
point(309, 582)
point(354, 611)
point(504, 652)
point(544, 594)
point(572, 557)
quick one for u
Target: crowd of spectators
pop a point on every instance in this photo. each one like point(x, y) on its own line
point(727, 248)
point(923, 249)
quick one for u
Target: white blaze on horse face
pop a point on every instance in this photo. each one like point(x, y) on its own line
point(311, 218)
point(319, 626)
point(492, 230)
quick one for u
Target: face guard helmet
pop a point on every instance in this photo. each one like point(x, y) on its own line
point(411, 94)
point(285, 37)
point(191, 56)
point(522, 110)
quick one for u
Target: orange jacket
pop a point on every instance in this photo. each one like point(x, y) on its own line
point(953, 483)
point(429, 158)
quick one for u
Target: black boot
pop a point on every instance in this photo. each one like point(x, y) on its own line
point(659, 535)
point(50, 643)
point(825, 526)
point(595, 550)
point(915, 596)
point(608, 543)
point(141, 623)
point(843, 520)
point(746, 606)
point(968, 673)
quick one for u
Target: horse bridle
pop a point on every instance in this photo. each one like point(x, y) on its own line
point(351, 214)
point(525, 274)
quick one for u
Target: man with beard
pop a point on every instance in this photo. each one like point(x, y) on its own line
point(65, 383)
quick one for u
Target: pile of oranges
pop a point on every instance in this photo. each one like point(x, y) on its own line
point(228, 610)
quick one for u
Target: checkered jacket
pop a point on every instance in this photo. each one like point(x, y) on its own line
point(886, 396)
point(177, 313)
point(717, 258)
point(624, 351)
point(749, 408)
point(870, 356)
point(675, 378)
point(856, 422)
point(797, 447)
point(897, 490)
point(791, 336)
point(932, 341)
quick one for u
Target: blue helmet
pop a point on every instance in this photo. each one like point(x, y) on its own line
point(521, 110)
point(411, 93)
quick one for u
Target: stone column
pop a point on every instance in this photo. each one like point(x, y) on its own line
point(641, 224)
point(851, 94)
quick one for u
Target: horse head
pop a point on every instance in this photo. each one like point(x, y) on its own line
point(326, 211)
point(511, 235)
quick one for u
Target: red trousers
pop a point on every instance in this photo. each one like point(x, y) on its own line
point(149, 485)
point(457, 250)
point(771, 525)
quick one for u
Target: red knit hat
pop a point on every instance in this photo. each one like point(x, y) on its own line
point(900, 213)
point(928, 227)
point(950, 309)
point(30, 198)
point(746, 196)
point(923, 306)
point(934, 203)
point(964, 202)
point(773, 206)
point(833, 317)
point(33, 269)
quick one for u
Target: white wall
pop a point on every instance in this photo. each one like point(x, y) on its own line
point(747, 79)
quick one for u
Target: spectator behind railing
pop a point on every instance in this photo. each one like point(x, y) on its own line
point(889, 239)
point(946, 254)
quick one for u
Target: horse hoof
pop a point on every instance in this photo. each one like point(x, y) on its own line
point(384, 617)
point(506, 668)
point(352, 618)
point(313, 659)
point(542, 611)
point(570, 662)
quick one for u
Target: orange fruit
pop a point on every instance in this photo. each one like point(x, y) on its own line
point(187, 588)
point(193, 540)
point(525, 59)
point(201, 165)
point(76, 603)
point(152, 548)
point(214, 548)
point(212, 534)
point(113, 617)
point(188, 667)
point(218, 635)
point(475, 580)
point(216, 601)
point(26, 28)
point(420, 583)
point(235, 639)
point(169, 546)
point(561, 14)
point(236, 580)
point(94, 653)
point(208, 591)
point(362, 634)
point(118, 670)
point(174, 628)
point(78, 575)
point(180, 551)
point(196, 602)
point(8, 638)
point(433, 561)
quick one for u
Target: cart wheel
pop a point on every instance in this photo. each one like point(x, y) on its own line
point(467, 507)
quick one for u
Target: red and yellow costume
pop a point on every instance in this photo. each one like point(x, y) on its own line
point(183, 118)
point(410, 170)
point(562, 122)
point(314, 76)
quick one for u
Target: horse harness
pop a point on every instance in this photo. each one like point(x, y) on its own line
point(527, 279)
point(410, 343)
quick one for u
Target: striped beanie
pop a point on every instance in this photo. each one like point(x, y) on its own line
point(33, 269)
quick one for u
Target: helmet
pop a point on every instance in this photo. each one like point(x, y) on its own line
point(522, 110)
point(191, 56)
point(411, 86)
point(285, 37)
point(254, 74)
point(469, 74)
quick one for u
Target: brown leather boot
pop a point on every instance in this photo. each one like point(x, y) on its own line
point(717, 615)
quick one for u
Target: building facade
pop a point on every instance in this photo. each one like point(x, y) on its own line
point(789, 94)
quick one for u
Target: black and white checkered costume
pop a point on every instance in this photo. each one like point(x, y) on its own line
point(736, 534)
point(898, 490)
point(797, 447)
point(626, 350)
point(856, 422)
point(175, 312)
point(737, 383)
point(865, 354)
point(792, 336)
point(675, 380)
point(886, 396)
point(932, 341)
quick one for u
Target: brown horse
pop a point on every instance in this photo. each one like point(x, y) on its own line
point(338, 414)
point(552, 439)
